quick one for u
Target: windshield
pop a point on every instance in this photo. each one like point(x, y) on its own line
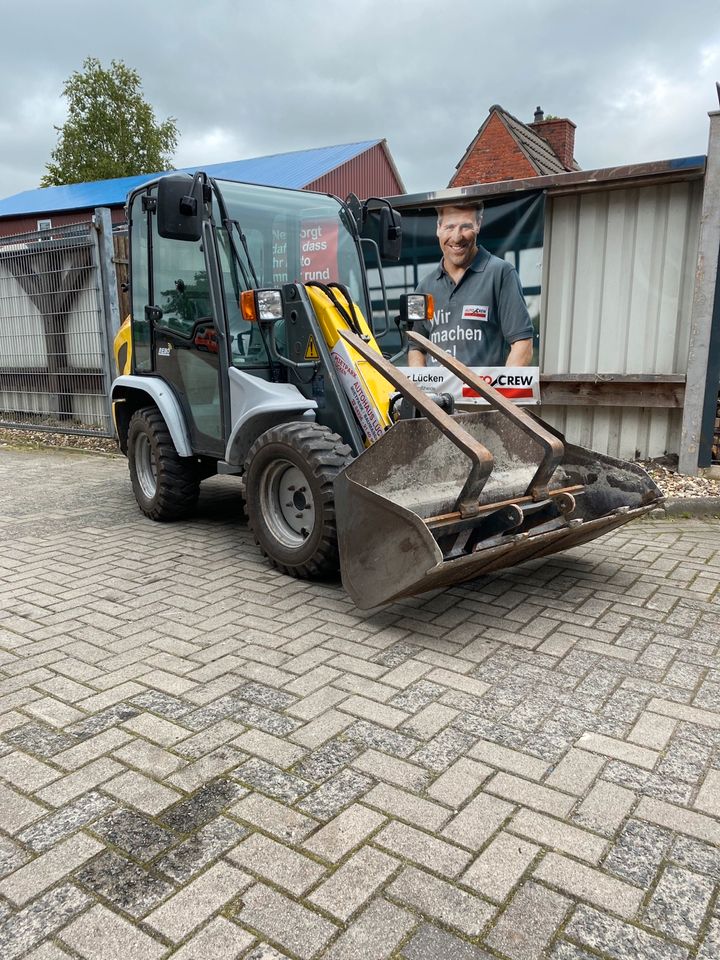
point(291, 236)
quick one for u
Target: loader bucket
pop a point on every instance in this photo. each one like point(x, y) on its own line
point(414, 513)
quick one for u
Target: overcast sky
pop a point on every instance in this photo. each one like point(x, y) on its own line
point(245, 79)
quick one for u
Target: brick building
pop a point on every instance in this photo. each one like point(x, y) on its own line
point(505, 148)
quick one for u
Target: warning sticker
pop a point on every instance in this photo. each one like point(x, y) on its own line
point(311, 350)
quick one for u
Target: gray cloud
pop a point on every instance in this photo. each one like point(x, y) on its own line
point(248, 79)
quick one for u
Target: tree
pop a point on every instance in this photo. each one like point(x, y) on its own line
point(111, 130)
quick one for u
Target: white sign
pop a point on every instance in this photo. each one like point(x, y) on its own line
point(520, 384)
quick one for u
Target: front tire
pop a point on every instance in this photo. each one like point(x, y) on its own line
point(165, 485)
point(290, 475)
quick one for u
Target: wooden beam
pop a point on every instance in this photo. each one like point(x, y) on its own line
point(613, 390)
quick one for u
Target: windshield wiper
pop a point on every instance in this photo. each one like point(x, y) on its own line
point(228, 224)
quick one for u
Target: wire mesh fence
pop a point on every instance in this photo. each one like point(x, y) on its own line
point(55, 359)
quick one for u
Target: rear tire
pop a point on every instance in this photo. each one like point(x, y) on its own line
point(290, 497)
point(165, 485)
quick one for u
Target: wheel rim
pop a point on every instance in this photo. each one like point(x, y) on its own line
point(287, 503)
point(145, 465)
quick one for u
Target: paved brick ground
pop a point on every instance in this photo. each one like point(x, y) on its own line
point(200, 758)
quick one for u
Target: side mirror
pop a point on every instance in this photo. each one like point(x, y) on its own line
point(390, 234)
point(180, 207)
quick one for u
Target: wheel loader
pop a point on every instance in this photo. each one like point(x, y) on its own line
point(248, 352)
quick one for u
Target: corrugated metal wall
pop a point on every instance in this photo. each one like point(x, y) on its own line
point(617, 291)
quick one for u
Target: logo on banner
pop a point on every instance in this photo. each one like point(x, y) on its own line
point(472, 311)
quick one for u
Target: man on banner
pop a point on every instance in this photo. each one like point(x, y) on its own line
point(480, 312)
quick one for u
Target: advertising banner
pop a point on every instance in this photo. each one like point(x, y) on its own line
point(520, 384)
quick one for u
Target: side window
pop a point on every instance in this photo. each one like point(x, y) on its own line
point(180, 283)
point(139, 275)
point(246, 344)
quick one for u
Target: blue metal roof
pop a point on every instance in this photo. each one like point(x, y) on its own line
point(296, 169)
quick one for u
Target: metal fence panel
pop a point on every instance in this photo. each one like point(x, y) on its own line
point(55, 358)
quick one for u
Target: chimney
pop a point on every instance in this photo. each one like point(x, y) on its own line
point(559, 133)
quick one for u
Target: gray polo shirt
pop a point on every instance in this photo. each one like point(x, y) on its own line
point(476, 319)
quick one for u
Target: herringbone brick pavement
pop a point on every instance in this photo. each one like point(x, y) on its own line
point(202, 758)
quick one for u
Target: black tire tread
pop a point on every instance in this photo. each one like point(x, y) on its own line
point(326, 454)
point(178, 485)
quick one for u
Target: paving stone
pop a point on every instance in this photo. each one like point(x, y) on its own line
point(94, 746)
point(164, 704)
point(140, 791)
point(17, 811)
point(590, 885)
point(273, 818)
point(102, 935)
point(272, 780)
point(477, 821)
point(277, 864)
point(327, 760)
point(330, 798)
point(149, 758)
point(12, 856)
point(430, 943)
point(269, 747)
point(322, 728)
point(441, 901)
point(194, 854)
point(679, 711)
point(342, 834)
point(35, 877)
point(195, 903)
point(380, 713)
point(398, 772)
point(648, 783)
point(284, 921)
point(86, 778)
point(530, 794)
point(676, 818)
point(652, 730)
point(500, 866)
point(264, 952)
point(135, 834)
point(679, 903)
point(124, 884)
point(379, 738)
point(604, 808)
point(104, 720)
point(39, 740)
point(638, 852)
point(354, 883)
point(711, 942)
point(576, 772)
point(442, 750)
point(374, 935)
point(459, 782)
point(524, 929)
point(210, 800)
point(557, 835)
point(618, 940)
point(423, 848)
point(275, 724)
point(40, 919)
point(696, 855)
point(25, 772)
point(67, 820)
point(418, 694)
point(708, 798)
point(219, 939)
point(427, 722)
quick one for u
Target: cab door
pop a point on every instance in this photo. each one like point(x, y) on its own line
point(176, 308)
